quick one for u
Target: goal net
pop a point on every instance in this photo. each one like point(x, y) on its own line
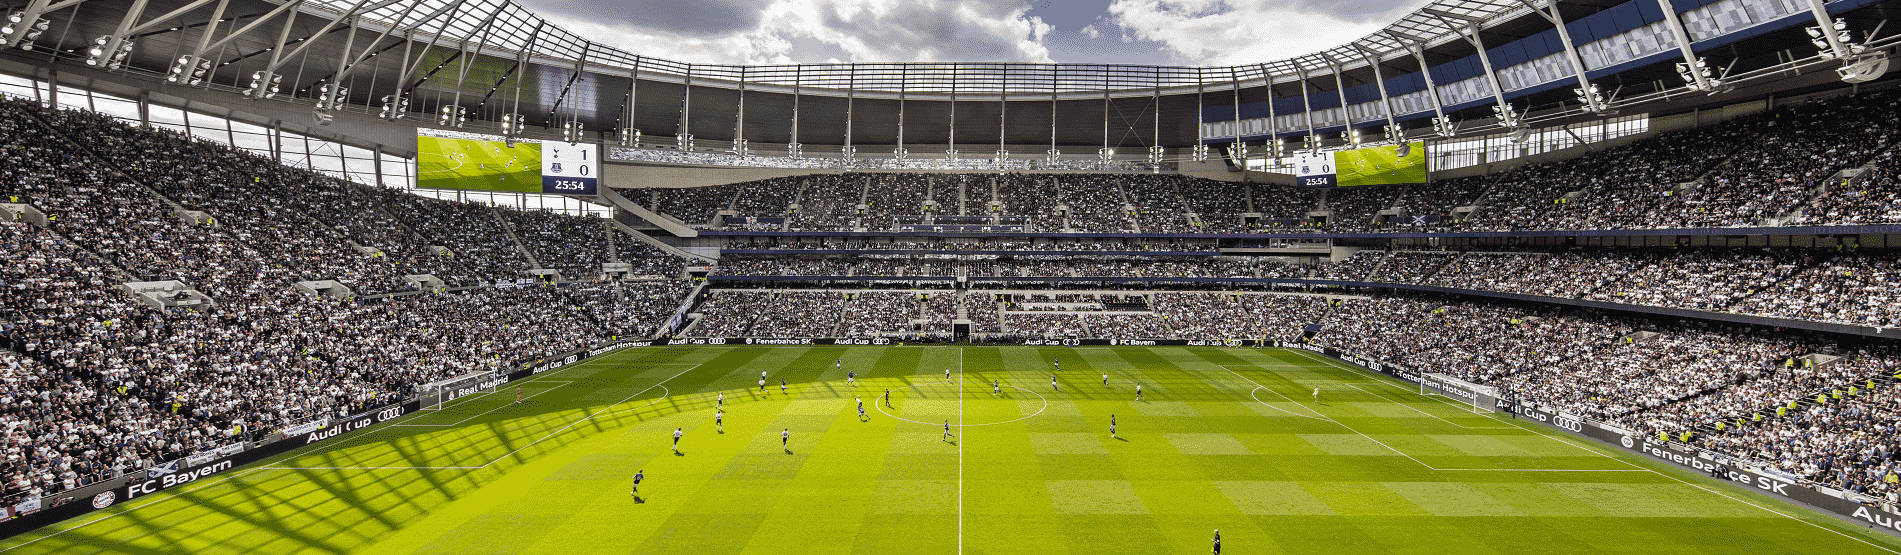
point(435, 395)
point(1482, 398)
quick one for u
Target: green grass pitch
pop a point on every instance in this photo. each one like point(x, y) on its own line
point(443, 163)
point(1225, 438)
point(1381, 165)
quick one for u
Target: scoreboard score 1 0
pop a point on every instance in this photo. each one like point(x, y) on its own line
point(570, 168)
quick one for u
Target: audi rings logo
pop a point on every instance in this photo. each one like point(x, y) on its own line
point(1628, 443)
point(1568, 423)
point(104, 499)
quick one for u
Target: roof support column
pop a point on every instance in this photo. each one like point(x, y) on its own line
point(904, 82)
point(683, 138)
point(1393, 131)
point(1441, 124)
point(1349, 135)
point(629, 134)
point(794, 149)
point(1156, 152)
point(1836, 39)
point(1003, 109)
point(739, 121)
point(1053, 155)
point(1307, 109)
point(851, 97)
point(1239, 152)
point(950, 151)
point(1106, 153)
point(1693, 68)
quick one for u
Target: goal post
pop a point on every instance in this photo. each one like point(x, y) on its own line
point(435, 395)
point(1482, 398)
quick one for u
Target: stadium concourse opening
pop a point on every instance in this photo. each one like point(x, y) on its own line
point(453, 275)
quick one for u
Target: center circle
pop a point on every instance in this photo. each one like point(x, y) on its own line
point(933, 403)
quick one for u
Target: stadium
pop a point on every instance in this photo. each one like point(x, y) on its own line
point(500, 276)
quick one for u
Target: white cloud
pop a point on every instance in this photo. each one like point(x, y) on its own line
point(787, 31)
point(1091, 31)
point(1226, 32)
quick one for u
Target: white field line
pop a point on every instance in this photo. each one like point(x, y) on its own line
point(1593, 451)
point(498, 407)
point(960, 449)
point(1428, 414)
point(1326, 418)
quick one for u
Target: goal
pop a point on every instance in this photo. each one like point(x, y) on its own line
point(435, 395)
point(1482, 398)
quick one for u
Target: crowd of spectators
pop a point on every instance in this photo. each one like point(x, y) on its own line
point(1766, 169)
point(99, 383)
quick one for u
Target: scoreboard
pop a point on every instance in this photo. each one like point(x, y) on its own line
point(1314, 170)
point(570, 168)
point(1394, 164)
point(448, 159)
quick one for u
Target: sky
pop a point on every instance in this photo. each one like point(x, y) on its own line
point(1171, 32)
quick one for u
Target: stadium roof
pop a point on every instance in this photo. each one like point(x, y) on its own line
point(495, 57)
point(506, 28)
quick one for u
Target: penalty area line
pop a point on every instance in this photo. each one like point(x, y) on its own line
point(498, 407)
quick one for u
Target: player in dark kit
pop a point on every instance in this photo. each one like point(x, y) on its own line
point(1217, 542)
point(1112, 425)
point(638, 475)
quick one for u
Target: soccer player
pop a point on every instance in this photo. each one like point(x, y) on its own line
point(947, 374)
point(719, 420)
point(518, 394)
point(722, 400)
point(782, 385)
point(762, 374)
point(1217, 542)
point(638, 475)
point(887, 396)
point(838, 364)
point(1057, 362)
point(1105, 378)
point(996, 388)
point(1112, 425)
point(861, 403)
point(1316, 394)
point(1138, 392)
point(861, 412)
point(762, 385)
point(1053, 386)
point(677, 433)
point(785, 436)
point(947, 434)
point(849, 376)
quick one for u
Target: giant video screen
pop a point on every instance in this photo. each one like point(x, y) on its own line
point(1400, 164)
point(456, 160)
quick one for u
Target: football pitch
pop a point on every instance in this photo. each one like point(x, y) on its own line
point(1228, 439)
